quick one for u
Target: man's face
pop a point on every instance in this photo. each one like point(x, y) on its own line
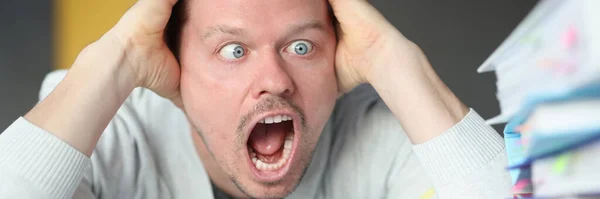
point(258, 83)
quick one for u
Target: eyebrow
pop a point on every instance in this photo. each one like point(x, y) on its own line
point(291, 29)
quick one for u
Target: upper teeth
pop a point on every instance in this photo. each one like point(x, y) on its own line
point(275, 119)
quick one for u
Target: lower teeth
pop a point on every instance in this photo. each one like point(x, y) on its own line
point(287, 148)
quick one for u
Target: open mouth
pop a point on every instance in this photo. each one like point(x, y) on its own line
point(271, 146)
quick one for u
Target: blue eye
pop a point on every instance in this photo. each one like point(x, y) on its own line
point(232, 51)
point(300, 47)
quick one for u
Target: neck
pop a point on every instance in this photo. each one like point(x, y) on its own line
point(217, 176)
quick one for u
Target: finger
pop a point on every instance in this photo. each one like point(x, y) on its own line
point(336, 4)
point(150, 15)
point(157, 4)
point(172, 2)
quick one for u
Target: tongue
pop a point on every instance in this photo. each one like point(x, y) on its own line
point(267, 139)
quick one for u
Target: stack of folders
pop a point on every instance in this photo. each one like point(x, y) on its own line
point(548, 73)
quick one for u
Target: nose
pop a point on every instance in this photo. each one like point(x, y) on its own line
point(272, 78)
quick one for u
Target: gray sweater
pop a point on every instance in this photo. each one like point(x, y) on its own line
point(147, 152)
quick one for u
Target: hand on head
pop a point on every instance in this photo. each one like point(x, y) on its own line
point(365, 38)
point(141, 33)
point(235, 56)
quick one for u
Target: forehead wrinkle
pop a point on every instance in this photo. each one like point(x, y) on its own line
point(222, 29)
point(291, 29)
point(304, 26)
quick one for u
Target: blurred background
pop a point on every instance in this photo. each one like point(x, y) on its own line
point(38, 36)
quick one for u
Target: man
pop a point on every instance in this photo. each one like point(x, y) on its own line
point(255, 111)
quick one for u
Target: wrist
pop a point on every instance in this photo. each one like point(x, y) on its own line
point(106, 60)
point(81, 106)
point(407, 83)
point(396, 55)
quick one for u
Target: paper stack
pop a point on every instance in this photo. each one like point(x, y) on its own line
point(548, 84)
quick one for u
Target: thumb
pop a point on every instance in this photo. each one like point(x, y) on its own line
point(176, 99)
point(161, 73)
point(166, 83)
point(164, 79)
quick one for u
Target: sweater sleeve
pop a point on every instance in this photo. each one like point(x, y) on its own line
point(36, 164)
point(466, 161)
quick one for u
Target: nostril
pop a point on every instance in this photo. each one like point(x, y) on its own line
point(290, 90)
point(287, 92)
